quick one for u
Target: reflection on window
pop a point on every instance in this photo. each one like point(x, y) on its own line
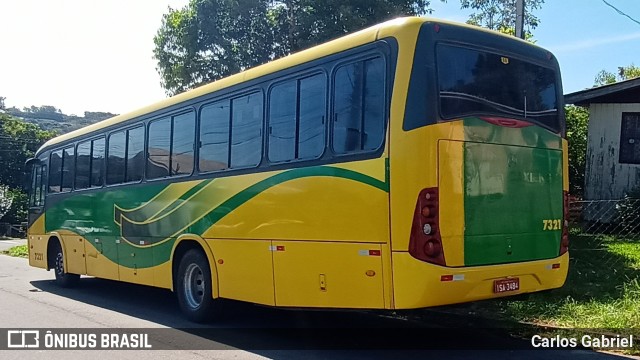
point(83, 165)
point(359, 96)
point(115, 160)
point(171, 147)
point(473, 82)
point(135, 154)
point(182, 154)
point(283, 122)
point(215, 120)
point(159, 148)
point(68, 166)
point(246, 136)
point(97, 162)
point(296, 119)
point(55, 171)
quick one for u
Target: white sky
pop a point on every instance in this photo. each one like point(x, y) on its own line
point(80, 55)
point(91, 55)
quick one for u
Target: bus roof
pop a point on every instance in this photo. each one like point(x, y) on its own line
point(334, 46)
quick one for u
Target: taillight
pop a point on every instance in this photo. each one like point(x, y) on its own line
point(564, 241)
point(425, 243)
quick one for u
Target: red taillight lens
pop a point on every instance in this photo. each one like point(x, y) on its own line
point(564, 241)
point(425, 243)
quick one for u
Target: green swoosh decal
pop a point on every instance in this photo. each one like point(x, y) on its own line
point(161, 228)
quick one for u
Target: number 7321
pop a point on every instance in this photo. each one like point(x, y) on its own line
point(553, 224)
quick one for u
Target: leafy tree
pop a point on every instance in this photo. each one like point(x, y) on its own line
point(500, 15)
point(6, 199)
point(209, 39)
point(2, 99)
point(605, 77)
point(19, 140)
point(577, 124)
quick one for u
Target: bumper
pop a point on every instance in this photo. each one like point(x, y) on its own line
point(418, 284)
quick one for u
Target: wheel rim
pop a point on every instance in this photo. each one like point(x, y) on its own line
point(59, 264)
point(194, 286)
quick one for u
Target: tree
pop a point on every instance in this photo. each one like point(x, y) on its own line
point(605, 77)
point(500, 15)
point(6, 199)
point(19, 140)
point(210, 39)
point(577, 123)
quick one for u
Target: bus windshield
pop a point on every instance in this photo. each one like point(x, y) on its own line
point(476, 82)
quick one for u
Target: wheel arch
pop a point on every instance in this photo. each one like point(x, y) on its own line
point(53, 238)
point(186, 242)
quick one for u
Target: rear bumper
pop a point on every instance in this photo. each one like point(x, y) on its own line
point(418, 284)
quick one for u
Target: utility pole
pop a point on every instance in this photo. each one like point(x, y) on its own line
point(520, 19)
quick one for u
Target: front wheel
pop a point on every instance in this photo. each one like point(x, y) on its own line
point(63, 279)
point(194, 286)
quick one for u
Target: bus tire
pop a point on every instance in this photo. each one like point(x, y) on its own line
point(63, 279)
point(194, 287)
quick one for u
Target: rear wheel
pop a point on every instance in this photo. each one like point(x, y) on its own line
point(63, 278)
point(194, 286)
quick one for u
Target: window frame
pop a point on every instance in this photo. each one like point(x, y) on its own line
point(388, 79)
point(297, 78)
point(124, 130)
point(171, 116)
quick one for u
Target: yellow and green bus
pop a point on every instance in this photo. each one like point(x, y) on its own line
point(412, 164)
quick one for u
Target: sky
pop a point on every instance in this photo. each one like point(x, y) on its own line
point(80, 55)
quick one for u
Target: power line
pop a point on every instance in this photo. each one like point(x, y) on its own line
point(621, 12)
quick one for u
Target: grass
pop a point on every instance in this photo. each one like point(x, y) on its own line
point(602, 289)
point(18, 251)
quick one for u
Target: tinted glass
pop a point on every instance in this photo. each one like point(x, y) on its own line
point(312, 114)
point(68, 166)
point(374, 101)
point(282, 122)
point(83, 165)
point(116, 159)
point(135, 154)
point(359, 106)
point(246, 133)
point(184, 127)
point(97, 162)
point(473, 82)
point(159, 149)
point(55, 171)
point(214, 136)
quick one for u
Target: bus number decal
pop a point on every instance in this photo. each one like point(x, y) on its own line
point(554, 224)
point(38, 256)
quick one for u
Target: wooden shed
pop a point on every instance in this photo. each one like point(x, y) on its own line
point(613, 145)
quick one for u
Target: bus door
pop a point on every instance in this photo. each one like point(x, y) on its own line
point(35, 225)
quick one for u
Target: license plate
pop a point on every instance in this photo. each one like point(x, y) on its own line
point(506, 285)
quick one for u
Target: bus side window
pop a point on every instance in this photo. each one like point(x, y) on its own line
point(214, 136)
point(97, 162)
point(55, 171)
point(359, 101)
point(246, 132)
point(83, 165)
point(115, 159)
point(182, 150)
point(68, 167)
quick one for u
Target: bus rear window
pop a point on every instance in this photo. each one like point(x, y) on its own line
point(474, 82)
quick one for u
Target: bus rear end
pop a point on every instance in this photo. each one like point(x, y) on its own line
point(484, 204)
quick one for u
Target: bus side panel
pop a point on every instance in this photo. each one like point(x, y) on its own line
point(245, 269)
point(37, 244)
point(74, 254)
point(99, 255)
point(322, 274)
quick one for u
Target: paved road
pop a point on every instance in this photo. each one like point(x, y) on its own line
point(29, 299)
point(7, 244)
